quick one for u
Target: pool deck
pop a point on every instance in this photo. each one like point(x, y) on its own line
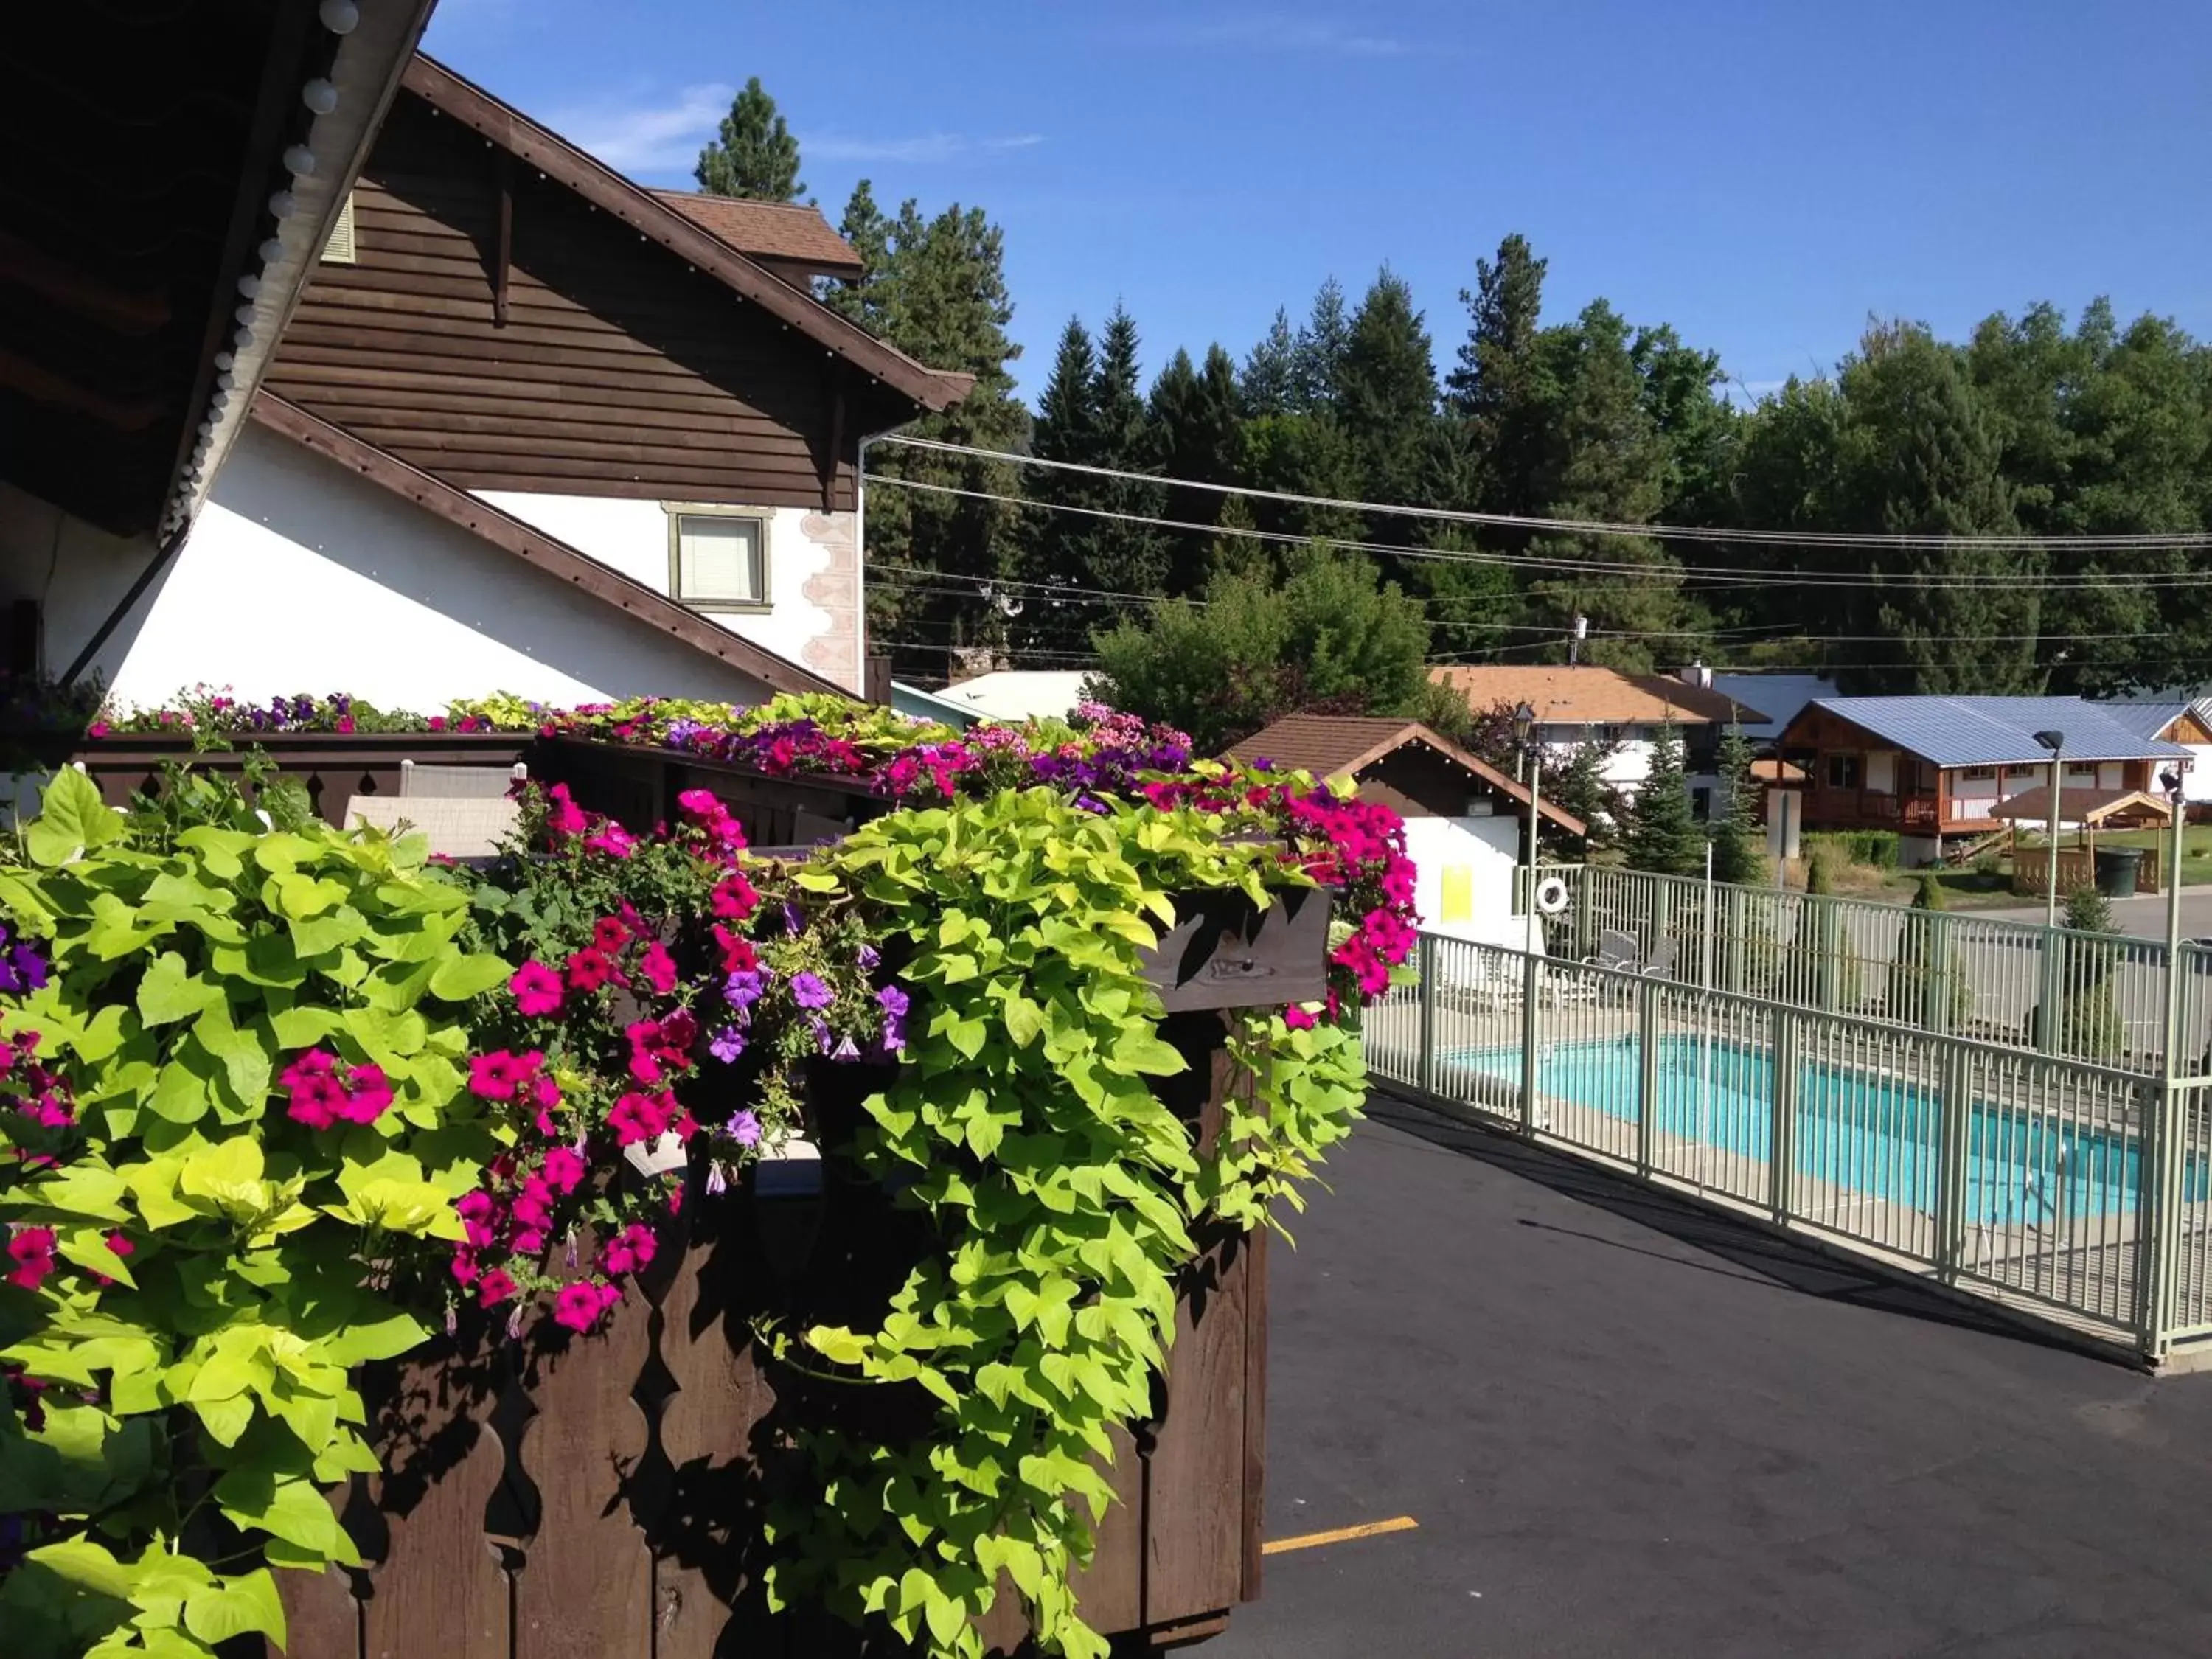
point(1631, 1426)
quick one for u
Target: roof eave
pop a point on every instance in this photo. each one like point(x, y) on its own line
point(603, 188)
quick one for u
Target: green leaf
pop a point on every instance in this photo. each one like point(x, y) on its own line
point(1025, 1021)
point(245, 1061)
point(968, 1035)
point(836, 1344)
point(72, 821)
point(1142, 1052)
point(460, 977)
point(246, 1606)
point(181, 1093)
point(85, 1563)
point(168, 992)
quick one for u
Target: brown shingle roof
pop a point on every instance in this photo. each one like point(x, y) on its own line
point(787, 233)
point(1589, 696)
point(1340, 745)
point(656, 220)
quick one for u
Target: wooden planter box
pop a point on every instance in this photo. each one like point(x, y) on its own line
point(602, 1497)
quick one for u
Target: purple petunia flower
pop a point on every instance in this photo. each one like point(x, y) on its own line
point(717, 1182)
point(822, 1039)
point(743, 1128)
point(896, 1004)
point(809, 992)
point(727, 1044)
point(793, 917)
point(743, 988)
point(868, 956)
point(846, 1049)
point(29, 965)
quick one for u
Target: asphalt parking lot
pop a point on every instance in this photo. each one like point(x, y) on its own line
point(1625, 1427)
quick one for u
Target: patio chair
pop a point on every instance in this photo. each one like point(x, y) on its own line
point(1618, 950)
point(1664, 962)
point(461, 827)
point(459, 783)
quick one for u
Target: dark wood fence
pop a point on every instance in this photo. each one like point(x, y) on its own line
point(635, 786)
point(561, 1497)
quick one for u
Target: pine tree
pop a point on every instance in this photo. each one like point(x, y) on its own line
point(936, 288)
point(1197, 432)
point(1497, 387)
point(1386, 398)
point(756, 155)
point(1924, 461)
point(1055, 551)
point(1269, 384)
point(1735, 821)
point(1611, 467)
point(1663, 836)
point(1127, 557)
point(1318, 357)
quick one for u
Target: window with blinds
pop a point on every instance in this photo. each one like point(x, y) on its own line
point(720, 559)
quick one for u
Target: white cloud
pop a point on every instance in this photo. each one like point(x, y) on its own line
point(658, 137)
point(1275, 32)
point(927, 148)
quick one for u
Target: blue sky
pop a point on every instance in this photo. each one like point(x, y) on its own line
point(1761, 175)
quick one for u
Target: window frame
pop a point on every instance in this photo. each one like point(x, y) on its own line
point(758, 517)
point(1852, 761)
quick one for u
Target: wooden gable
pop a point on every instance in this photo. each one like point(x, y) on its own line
point(495, 329)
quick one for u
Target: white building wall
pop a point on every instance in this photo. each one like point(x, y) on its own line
point(300, 576)
point(814, 615)
point(1469, 856)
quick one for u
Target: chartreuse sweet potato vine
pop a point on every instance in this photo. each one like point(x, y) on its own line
point(268, 1108)
point(186, 1292)
point(1066, 1195)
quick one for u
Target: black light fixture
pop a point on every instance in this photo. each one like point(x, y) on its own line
point(2170, 780)
point(1524, 722)
point(2054, 741)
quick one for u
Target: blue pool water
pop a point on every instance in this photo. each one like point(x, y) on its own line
point(1870, 1133)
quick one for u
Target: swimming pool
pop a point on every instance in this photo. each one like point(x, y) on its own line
point(1871, 1133)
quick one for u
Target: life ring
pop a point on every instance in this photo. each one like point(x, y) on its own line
point(1551, 896)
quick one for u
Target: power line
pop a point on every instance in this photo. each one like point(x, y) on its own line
point(1576, 526)
point(1731, 576)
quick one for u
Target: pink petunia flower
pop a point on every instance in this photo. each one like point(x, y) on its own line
point(609, 935)
point(578, 1307)
point(1298, 1019)
point(563, 815)
point(590, 970)
point(564, 1169)
point(537, 989)
point(659, 969)
point(32, 1251)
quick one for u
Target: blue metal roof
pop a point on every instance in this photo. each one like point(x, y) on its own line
point(1999, 731)
point(2148, 719)
point(1779, 697)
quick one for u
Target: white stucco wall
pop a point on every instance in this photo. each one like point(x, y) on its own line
point(813, 574)
point(1484, 848)
point(76, 572)
point(300, 576)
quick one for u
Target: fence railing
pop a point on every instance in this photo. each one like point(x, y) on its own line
point(2096, 997)
point(2077, 1189)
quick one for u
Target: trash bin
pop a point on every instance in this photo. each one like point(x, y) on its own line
point(2115, 870)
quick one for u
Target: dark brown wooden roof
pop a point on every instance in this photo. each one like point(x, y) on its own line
point(772, 233)
point(1345, 746)
point(533, 547)
point(2080, 806)
point(142, 144)
point(653, 219)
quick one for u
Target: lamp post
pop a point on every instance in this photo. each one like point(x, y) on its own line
point(2170, 779)
point(2055, 742)
point(1524, 732)
point(2166, 1142)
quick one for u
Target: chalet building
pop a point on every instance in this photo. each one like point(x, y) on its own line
point(1936, 767)
point(1585, 703)
point(1466, 822)
point(157, 236)
point(531, 426)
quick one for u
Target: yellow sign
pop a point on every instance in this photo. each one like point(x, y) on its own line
point(1458, 893)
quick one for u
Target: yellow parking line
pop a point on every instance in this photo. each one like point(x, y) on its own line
point(1341, 1535)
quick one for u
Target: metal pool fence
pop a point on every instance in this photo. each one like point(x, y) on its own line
point(2099, 997)
point(2075, 1189)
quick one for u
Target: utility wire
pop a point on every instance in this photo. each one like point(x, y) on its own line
point(1575, 526)
point(1729, 576)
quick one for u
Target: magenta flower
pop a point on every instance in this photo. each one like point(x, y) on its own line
point(32, 1251)
point(563, 815)
point(367, 1094)
point(564, 1169)
point(578, 1307)
point(658, 968)
point(609, 935)
point(1298, 1019)
point(590, 970)
point(495, 1287)
point(537, 989)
